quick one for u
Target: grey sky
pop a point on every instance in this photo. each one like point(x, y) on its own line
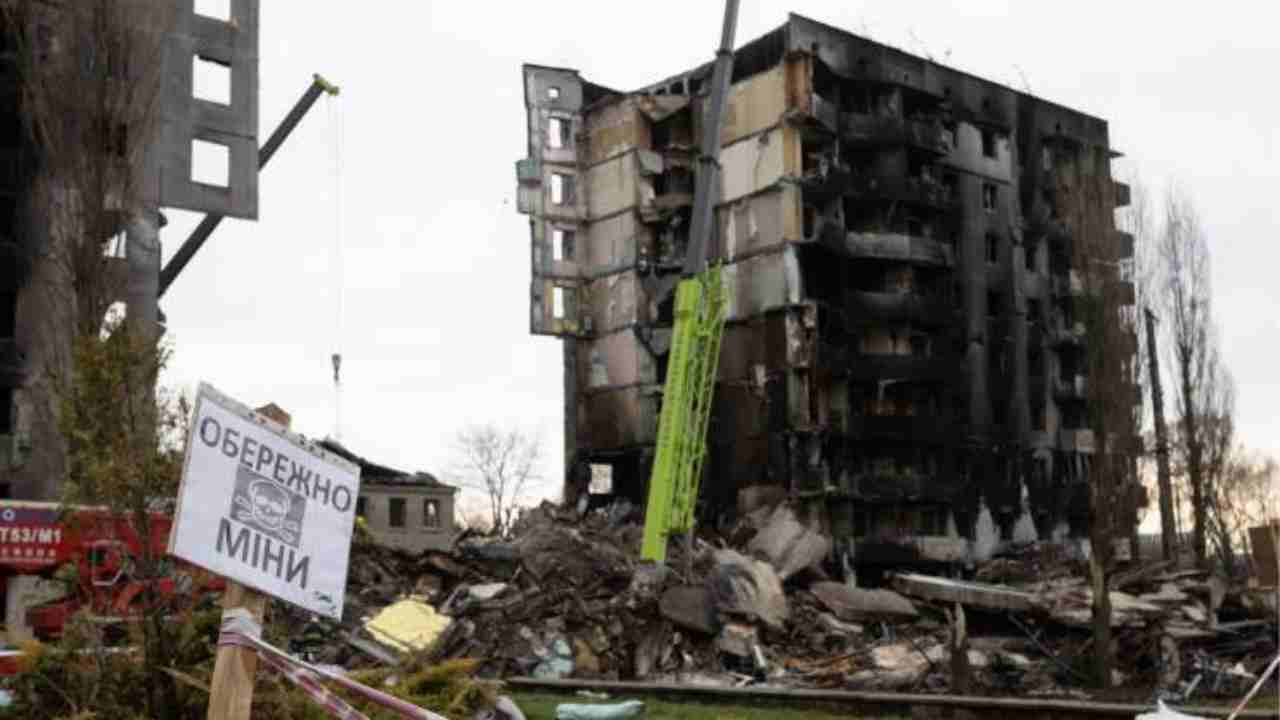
point(437, 259)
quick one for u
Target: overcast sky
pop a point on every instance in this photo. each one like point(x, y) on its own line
point(435, 267)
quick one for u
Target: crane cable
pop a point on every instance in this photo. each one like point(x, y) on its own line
point(335, 124)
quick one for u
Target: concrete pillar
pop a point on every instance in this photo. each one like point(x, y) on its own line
point(1019, 416)
point(972, 270)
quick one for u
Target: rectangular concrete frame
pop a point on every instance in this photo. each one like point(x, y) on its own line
point(184, 118)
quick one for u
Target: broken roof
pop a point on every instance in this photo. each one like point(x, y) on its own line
point(374, 473)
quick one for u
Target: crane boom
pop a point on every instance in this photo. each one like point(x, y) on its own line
point(210, 222)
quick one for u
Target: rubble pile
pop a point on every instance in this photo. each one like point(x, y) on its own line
point(566, 595)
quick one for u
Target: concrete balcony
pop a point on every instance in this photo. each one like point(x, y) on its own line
point(900, 307)
point(1122, 194)
point(877, 130)
point(834, 180)
point(1041, 224)
point(1124, 245)
point(895, 246)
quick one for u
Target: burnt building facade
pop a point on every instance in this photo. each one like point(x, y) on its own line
point(176, 81)
point(900, 353)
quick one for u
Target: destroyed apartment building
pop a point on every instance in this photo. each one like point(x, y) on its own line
point(196, 149)
point(901, 354)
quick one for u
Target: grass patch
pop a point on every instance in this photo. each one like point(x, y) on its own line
point(542, 706)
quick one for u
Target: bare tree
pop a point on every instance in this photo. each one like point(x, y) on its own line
point(1184, 260)
point(503, 463)
point(1103, 301)
point(1217, 443)
point(1247, 495)
point(1140, 222)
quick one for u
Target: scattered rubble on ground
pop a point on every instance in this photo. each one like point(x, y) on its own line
point(566, 596)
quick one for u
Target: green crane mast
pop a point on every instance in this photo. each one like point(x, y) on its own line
point(700, 305)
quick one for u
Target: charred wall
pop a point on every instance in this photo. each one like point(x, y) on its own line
point(898, 354)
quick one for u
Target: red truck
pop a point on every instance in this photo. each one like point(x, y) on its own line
point(56, 560)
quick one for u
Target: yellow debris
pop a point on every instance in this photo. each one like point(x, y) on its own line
point(408, 625)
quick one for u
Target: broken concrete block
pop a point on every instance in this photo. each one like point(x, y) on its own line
point(883, 679)
point(1169, 594)
point(1009, 658)
point(854, 604)
point(748, 588)
point(1196, 613)
point(981, 595)
point(649, 577)
point(754, 497)
point(691, 607)
point(838, 627)
point(737, 639)
point(484, 592)
point(939, 654)
point(787, 544)
point(1164, 713)
point(902, 656)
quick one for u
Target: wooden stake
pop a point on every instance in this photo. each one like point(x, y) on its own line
point(234, 671)
point(231, 690)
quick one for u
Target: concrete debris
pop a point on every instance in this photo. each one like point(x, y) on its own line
point(788, 545)
point(1164, 713)
point(945, 590)
point(831, 624)
point(737, 640)
point(857, 604)
point(743, 587)
point(565, 594)
point(691, 607)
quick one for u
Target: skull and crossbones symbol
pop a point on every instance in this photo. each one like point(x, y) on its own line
point(268, 507)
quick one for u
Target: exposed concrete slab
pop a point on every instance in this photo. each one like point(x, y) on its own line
point(787, 544)
point(691, 607)
point(746, 587)
point(981, 595)
point(856, 604)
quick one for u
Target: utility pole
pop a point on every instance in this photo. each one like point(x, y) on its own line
point(1168, 527)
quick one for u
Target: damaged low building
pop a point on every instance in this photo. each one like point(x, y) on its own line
point(901, 355)
point(408, 511)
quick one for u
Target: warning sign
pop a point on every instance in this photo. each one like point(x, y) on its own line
point(263, 507)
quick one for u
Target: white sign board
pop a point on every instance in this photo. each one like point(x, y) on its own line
point(261, 506)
